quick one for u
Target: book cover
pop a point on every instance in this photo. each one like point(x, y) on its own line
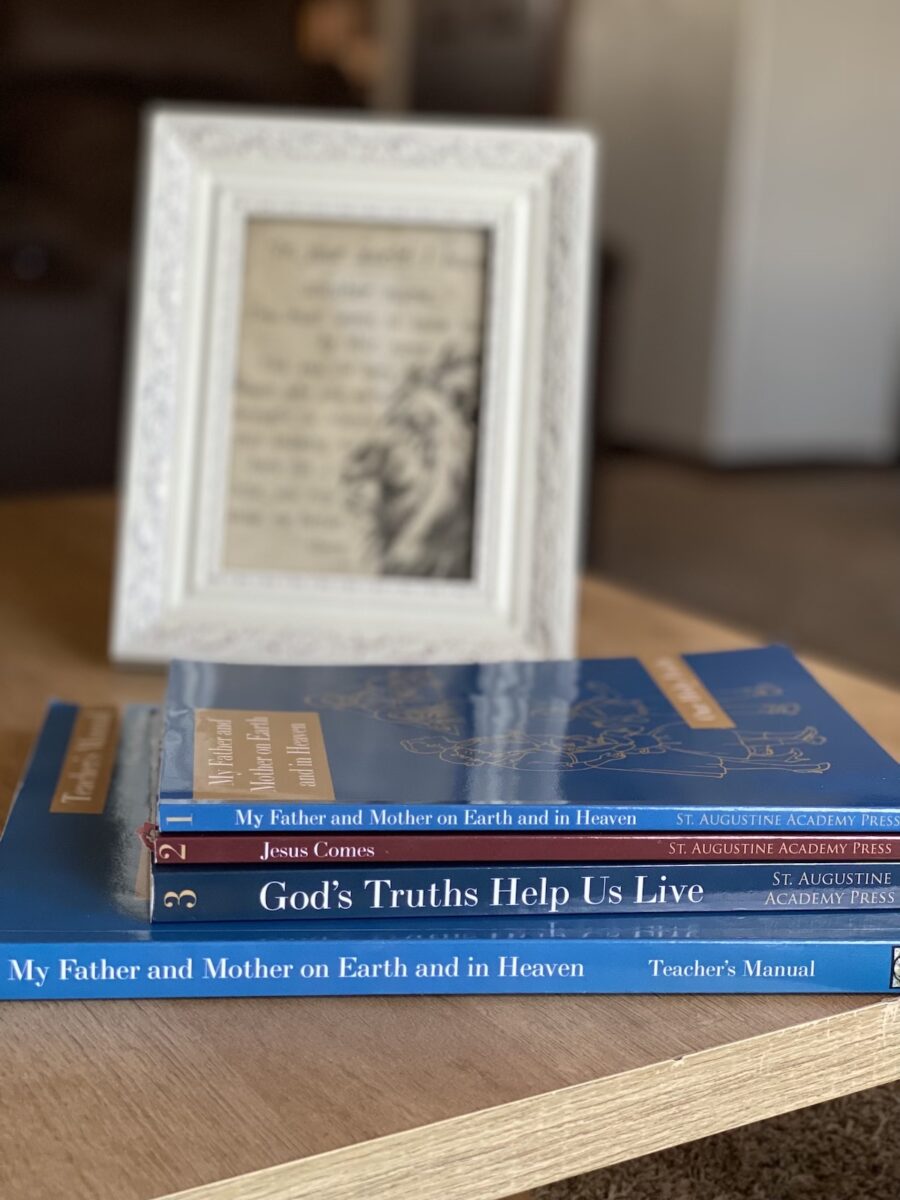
point(74, 920)
point(739, 741)
point(344, 848)
point(250, 893)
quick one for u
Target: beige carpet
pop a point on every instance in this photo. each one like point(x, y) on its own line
point(845, 1150)
point(807, 556)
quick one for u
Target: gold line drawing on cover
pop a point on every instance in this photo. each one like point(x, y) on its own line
point(408, 697)
point(601, 730)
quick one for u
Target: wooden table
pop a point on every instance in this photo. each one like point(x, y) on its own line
point(408, 1098)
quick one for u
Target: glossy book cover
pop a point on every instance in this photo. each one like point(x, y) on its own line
point(738, 741)
point(74, 920)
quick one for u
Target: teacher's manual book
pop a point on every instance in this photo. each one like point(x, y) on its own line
point(743, 740)
point(74, 919)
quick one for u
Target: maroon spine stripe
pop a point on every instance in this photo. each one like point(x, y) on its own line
point(522, 847)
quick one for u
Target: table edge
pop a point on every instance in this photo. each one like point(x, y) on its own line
point(522, 1144)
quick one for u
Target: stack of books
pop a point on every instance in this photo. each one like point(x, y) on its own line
point(711, 822)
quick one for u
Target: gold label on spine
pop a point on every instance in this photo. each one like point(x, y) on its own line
point(247, 756)
point(687, 694)
point(83, 783)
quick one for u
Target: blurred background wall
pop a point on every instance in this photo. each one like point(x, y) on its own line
point(76, 75)
point(749, 215)
point(748, 238)
point(753, 188)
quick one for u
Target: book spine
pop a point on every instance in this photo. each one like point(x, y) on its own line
point(273, 894)
point(213, 816)
point(303, 849)
point(475, 965)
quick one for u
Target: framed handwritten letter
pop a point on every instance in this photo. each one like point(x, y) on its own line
point(356, 410)
point(356, 399)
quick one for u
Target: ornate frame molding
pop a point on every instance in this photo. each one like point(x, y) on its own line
point(206, 172)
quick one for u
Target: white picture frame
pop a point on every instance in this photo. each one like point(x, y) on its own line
point(208, 175)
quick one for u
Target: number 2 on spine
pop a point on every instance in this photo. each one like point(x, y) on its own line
point(165, 851)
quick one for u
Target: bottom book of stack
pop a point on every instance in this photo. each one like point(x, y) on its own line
point(74, 922)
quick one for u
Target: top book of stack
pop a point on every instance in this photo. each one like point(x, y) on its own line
point(740, 740)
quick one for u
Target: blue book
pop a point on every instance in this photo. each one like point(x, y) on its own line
point(74, 916)
point(250, 893)
point(741, 740)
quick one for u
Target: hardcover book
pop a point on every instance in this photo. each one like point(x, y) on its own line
point(740, 741)
point(74, 920)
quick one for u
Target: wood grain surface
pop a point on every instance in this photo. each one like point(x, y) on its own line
point(372, 1097)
